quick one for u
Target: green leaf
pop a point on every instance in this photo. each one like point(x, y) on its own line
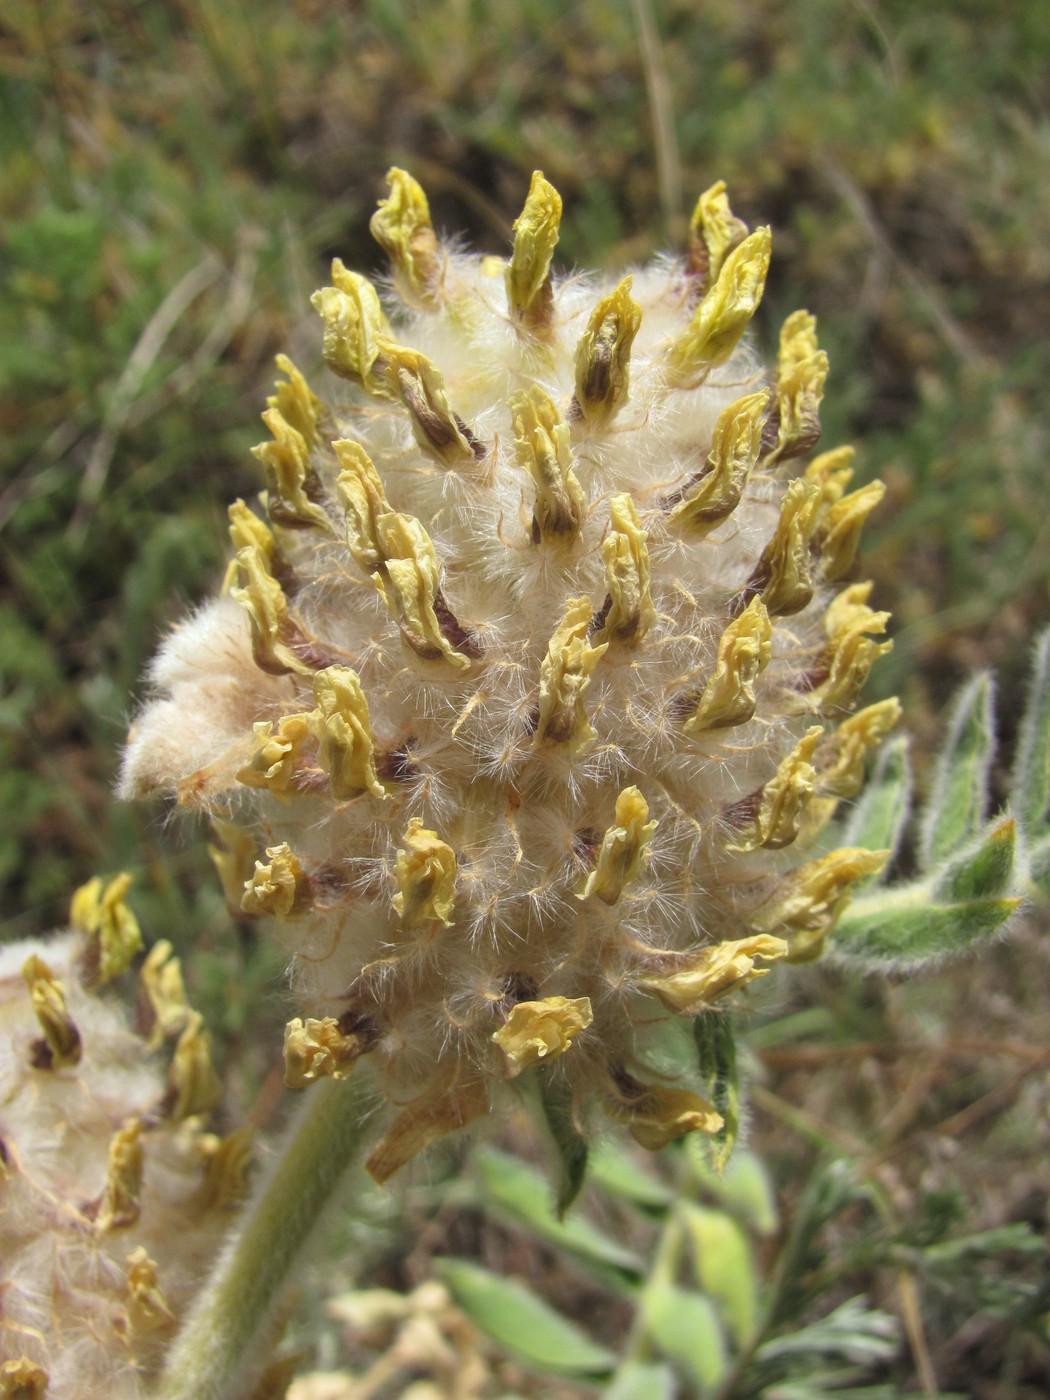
point(716, 1054)
point(983, 871)
point(524, 1194)
point(571, 1145)
point(954, 810)
point(515, 1318)
point(614, 1169)
point(904, 928)
point(723, 1266)
point(1031, 776)
point(686, 1329)
point(878, 818)
point(642, 1380)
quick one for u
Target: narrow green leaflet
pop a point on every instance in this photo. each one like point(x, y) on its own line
point(983, 871)
point(524, 1194)
point(1039, 866)
point(716, 1055)
point(954, 811)
point(880, 814)
point(685, 1327)
point(642, 1380)
point(904, 928)
point(723, 1267)
point(1031, 777)
point(613, 1168)
point(515, 1318)
point(573, 1152)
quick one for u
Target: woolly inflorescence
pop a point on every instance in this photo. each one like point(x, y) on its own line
point(532, 675)
point(114, 1199)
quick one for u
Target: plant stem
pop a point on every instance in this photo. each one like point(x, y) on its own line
point(221, 1346)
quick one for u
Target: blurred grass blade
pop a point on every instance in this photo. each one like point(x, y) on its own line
point(853, 1332)
point(642, 1380)
point(686, 1329)
point(512, 1316)
point(556, 1098)
point(716, 1054)
point(1039, 866)
point(955, 808)
point(878, 818)
point(723, 1267)
point(525, 1195)
point(1031, 776)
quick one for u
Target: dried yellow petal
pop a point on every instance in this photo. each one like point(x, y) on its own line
point(714, 231)
point(233, 855)
point(802, 369)
point(851, 654)
point(161, 978)
point(402, 228)
point(262, 597)
point(744, 650)
point(440, 432)
point(783, 570)
point(704, 977)
point(354, 330)
point(277, 887)
point(296, 402)
point(840, 762)
point(812, 897)
point(530, 296)
point(147, 1307)
point(781, 802)
point(565, 674)
point(246, 529)
point(543, 444)
point(120, 1205)
point(603, 356)
point(226, 1172)
point(831, 471)
point(317, 1049)
point(409, 580)
point(22, 1379)
point(278, 755)
point(361, 492)
point(341, 725)
point(425, 871)
point(723, 314)
point(100, 912)
point(426, 1119)
point(193, 1085)
point(735, 448)
point(657, 1114)
point(294, 486)
point(61, 1046)
point(622, 856)
point(628, 613)
point(838, 533)
point(541, 1030)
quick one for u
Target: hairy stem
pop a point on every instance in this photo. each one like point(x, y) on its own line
point(216, 1355)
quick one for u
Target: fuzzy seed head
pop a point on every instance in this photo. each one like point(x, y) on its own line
point(529, 692)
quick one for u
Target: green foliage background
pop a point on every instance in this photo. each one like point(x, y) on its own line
point(173, 177)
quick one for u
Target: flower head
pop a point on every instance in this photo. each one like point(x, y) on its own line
point(529, 681)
